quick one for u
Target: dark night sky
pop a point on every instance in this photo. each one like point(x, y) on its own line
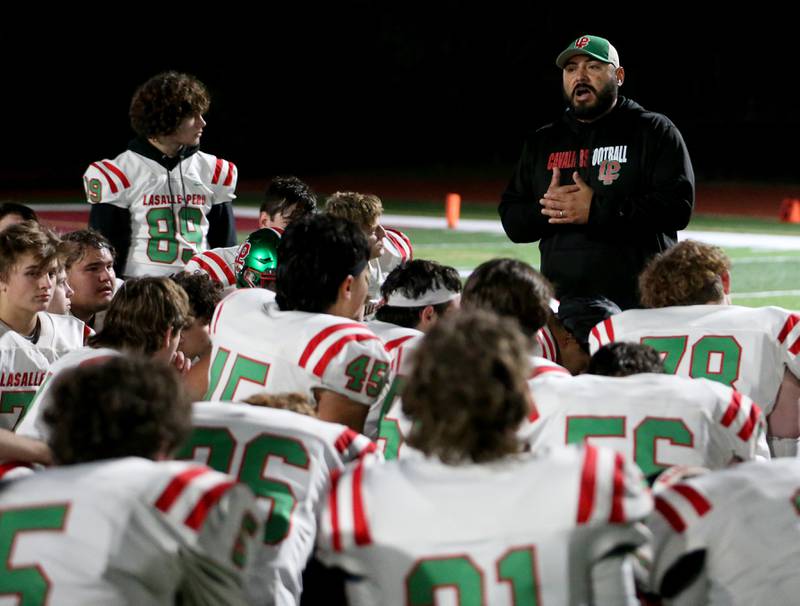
point(360, 87)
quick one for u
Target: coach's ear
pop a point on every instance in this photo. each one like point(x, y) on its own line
point(726, 282)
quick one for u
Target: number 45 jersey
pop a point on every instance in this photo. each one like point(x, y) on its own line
point(257, 347)
point(656, 420)
point(742, 347)
point(288, 460)
point(526, 529)
point(168, 208)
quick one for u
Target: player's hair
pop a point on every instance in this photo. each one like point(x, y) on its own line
point(512, 288)
point(24, 238)
point(413, 279)
point(362, 209)
point(76, 243)
point(316, 254)
point(141, 312)
point(15, 208)
point(622, 359)
point(119, 407)
point(293, 402)
point(689, 273)
point(289, 192)
point(468, 393)
point(160, 105)
point(203, 292)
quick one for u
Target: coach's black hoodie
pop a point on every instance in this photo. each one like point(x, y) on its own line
point(638, 167)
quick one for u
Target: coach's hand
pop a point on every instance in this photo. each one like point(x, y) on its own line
point(567, 203)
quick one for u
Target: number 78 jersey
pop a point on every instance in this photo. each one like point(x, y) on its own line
point(742, 347)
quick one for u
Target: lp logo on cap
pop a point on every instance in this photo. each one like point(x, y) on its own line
point(581, 42)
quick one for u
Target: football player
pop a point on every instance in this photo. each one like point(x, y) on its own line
point(13, 212)
point(114, 522)
point(288, 459)
point(691, 323)
point(31, 339)
point(476, 517)
point(287, 199)
point(308, 338)
point(163, 200)
point(204, 296)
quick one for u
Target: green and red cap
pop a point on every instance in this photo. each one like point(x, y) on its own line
point(594, 46)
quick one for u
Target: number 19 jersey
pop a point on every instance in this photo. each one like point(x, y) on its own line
point(742, 347)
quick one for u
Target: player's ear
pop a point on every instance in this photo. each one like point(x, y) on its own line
point(726, 282)
point(346, 288)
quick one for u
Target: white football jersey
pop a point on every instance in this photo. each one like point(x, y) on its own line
point(742, 347)
point(288, 460)
point(257, 347)
point(168, 209)
point(655, 420)
point(33, 424)
point(747, 519)
point(218, 263)
point(397, 249)
point(545, 346)
point(24, 364)
point(525, 529)
point(125, 531)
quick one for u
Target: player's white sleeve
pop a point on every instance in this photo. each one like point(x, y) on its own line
point(352, 446)
point(743, 425)
point(215, 263)
point(221, 175)
point(401, 243)
point(105, 183)
point(601, 334)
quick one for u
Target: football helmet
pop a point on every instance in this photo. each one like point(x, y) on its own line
point(256, 262)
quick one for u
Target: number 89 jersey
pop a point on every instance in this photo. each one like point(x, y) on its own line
point(168, 208)
point(257, 347)
point(745, 348)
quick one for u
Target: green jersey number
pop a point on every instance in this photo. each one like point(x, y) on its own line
point(221, 445)
point(359, 374)
point(162, 247)
point(389, 433)
point(16, 401)
point(644, 436)
point(517, 567)
point(30, 584)
point(242, 369)
point(713, 357)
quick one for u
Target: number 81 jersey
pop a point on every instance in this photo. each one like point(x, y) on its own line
point(168, 207)
point(742, 347)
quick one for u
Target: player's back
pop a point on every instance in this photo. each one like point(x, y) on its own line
point(288, 460)
point(747, 519)
point(744, 348)
point(125, 531)
point(257, 347)
point(655, 420)
point(519, 530)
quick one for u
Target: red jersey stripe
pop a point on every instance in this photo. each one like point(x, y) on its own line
point(344, 440)
point(588, 477)
point(217, 171)
point(534, 413)
point(208, 268)
point(550, 345)
point(696, 500)
point(334, 349)
point(618, 496)
point(795, 348)
point(750, 424)
point(111, 184)
point(229, 178)
point(390, 345)
point(596, 335)
point(540, 370)
point(9, 465)
point(321, 336)
point(360, 526)
point(125, 183)
point(404, 241)
point(224, 266)
point(177, 486)
point(672, 517)
point(333, 505)
point(397, 245)
point(87, 332)
point(790, 323)
point(609, 329)
point(733, 409)
point(210, 498)
point(368, 449)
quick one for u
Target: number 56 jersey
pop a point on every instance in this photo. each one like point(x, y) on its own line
point(742, 347)
point(257, 347)
point(526, 529)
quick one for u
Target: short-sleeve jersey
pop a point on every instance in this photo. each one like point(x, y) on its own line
point(218, 263)
point(655, 420)
point(168, 209)
point(125, 531)
point(288, 460)
point(745, 348)
point(747, 519)
point(524, 529)
point(257, 347)
point(33, 424)
point(24, 364)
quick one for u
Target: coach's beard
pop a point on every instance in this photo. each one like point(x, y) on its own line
point(604, 101)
